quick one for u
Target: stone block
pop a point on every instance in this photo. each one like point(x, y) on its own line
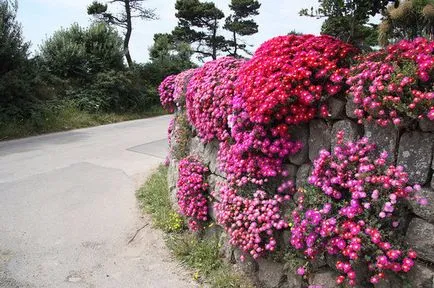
point(426, 212)
point(197, 148)
point(391, 281)
point(319, 138)
point(351, 131)
point(212, 211)
point(215, 182)
point(420, 236)
point(226, 249)
point(174, 199)
point(426, 125)
point(324, 278)
point(211, 232)
point(248, 265)
point(421, 276)
point(210, 155)
point(336, 108)
point(386, 138)
point(350, 107)
point(172, 174)
point(292, 281)
point(300, 133)
point(303, 174)
point(318, 263)
point(432, 172)
point(432, 181)
point(415, 154)
point(292, 171)
point(270, 273)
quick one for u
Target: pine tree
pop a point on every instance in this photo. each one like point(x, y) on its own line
point(240, 24)
point(406, 20)
point(198, 25)
point(348, 20)
point(130, 9)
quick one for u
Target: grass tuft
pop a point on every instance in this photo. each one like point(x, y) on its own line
point(155, 200)
point(200, 255)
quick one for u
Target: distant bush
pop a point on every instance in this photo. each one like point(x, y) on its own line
point(17, 73)
point(117, 91)
point(91, 62)
point(80, 54)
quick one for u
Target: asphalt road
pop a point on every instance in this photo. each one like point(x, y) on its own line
point(68, 209)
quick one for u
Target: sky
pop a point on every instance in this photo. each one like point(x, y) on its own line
point(40, 18)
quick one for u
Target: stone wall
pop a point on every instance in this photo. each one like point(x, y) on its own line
point(411, 146)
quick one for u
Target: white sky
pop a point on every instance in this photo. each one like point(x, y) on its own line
point(40, 18)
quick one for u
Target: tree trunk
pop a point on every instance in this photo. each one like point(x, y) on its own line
point(128, 33)
point(235, 45)
point(214, 41)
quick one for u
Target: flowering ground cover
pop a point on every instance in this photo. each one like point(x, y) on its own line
point(354, 203)
point(395, 83)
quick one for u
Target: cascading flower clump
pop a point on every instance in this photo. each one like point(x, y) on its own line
point(395, 83)
point(180, 87)
point(192, 191)
point(166, 90)
point(289, 78)
point(352, 209)
point(255, 154)
point(251, 223)
point(286, 83)
point(209, 97)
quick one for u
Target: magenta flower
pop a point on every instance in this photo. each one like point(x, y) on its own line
point(192, 191)
point(359, 190)
point(209, 98)
point(395, 83)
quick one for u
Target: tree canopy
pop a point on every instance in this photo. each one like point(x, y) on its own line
point(348, 20)
point(198, 23)
point(130, 9)
point(239, 23)
point(406, 20)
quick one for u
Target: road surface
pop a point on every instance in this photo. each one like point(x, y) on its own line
point(68, 210)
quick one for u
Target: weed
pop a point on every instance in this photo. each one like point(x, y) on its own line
point(154, 198)
point(200, 255)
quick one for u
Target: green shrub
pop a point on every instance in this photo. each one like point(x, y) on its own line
point(117, 91)
point(78, 54)
point(53, 116)
point(91, 62)
point(17, 74)
point(13, 49)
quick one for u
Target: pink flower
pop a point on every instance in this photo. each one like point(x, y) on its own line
point(344, 229)
point(381, 96)
point(261, 216)
point(166, 90)
point(209, 97)
point(192, 190)
point(300, 271)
